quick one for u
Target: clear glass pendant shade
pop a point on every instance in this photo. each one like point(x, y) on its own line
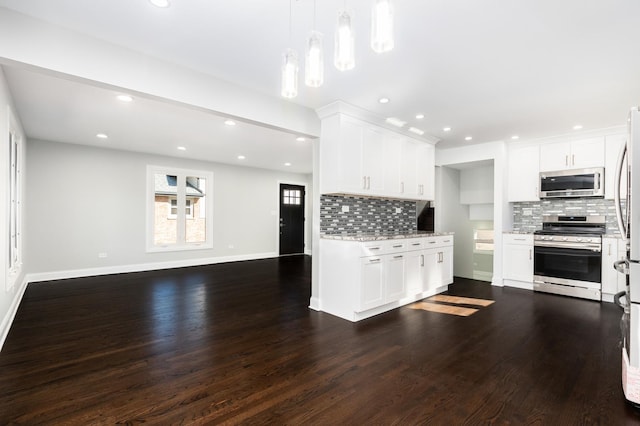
point(382, 26)
point(290, 74)
point(344, 52)
point(314, 61)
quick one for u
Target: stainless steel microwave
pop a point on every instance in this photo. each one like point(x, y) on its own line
point(572, 183)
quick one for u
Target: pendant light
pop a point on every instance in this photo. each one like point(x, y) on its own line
point(290, 67)
point(382, 26)
point(290, 74)
point(314, 60)
point(344, 58)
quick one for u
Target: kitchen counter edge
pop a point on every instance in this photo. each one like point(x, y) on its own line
point(383, 237)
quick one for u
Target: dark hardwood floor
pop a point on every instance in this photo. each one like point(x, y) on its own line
point(235, 343)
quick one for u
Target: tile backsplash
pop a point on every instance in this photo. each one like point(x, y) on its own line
point(366, 215)
point(527, 216)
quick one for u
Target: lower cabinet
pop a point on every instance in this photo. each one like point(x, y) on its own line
point(354, 284)
point(613, 249)
point(517, 260)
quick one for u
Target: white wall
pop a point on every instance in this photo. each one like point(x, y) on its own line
point(83, 201)
point(9, 297)
point(452, 216)
point(476, 185)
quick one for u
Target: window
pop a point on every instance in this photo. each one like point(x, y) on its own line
point(291, 196)
point(483, 240)
point(180, 209)
point(15, 206)
point(173, 209)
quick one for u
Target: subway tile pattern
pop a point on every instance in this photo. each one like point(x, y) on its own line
point(527, 216)
point(366, 216)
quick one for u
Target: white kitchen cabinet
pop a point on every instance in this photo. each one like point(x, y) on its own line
point(576, 154)
point(613, 145)
point(360, 158)
point(361, 279)
point(517, 260)
point(523, 174)
point(612, 280)
point(371, 291)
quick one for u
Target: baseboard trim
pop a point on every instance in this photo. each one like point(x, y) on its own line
point(141, 267)
point(7, 321)
point(314, 303)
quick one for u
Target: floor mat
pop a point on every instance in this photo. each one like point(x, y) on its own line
point(444, 309)
point(460, 300)
point(447, 304)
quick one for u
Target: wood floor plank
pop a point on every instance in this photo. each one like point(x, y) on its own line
point(237, 344)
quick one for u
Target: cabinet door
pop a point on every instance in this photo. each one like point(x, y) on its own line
point(555, 156)
point(371, 287)
point(446, 265)
point(392, 166)
point(373, 161)
point(425, 171)
point(518, 262)
point(352, 175)
point(408, 168)
point(609, 275)
point(394, 279)
point(587, 153)
point(431, 270)
point(413, 264)
point(524, 174)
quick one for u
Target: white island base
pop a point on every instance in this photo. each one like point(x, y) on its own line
point(360, 278)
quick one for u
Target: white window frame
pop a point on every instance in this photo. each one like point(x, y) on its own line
point(14, 205)
point(181, 177)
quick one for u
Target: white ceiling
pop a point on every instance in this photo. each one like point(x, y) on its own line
point(489, 69)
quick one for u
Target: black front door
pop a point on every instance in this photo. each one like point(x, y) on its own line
point(291, 219)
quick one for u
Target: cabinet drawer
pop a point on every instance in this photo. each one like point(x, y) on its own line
point(524, 239)
point(374, 248)
point(439, 241)
point(416, 243)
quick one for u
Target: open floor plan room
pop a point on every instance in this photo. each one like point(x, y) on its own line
point(235, 343)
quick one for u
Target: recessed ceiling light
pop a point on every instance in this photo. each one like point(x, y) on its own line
point(287, 164)
point(160, 3)
point(230, 122)
point(383, 100)
point(419, 116)
point(395, 121)
point(300, 139)
point(182, 148)
point(577, 127)
point(102, 136)
point(241, 157)
point(124, 98)
point(446, 129)
point(514, 137)
point(468, 138)
point(416, 131)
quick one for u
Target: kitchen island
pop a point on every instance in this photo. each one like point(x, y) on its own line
point(365, 275)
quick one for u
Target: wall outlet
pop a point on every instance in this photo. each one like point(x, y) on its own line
point(231, 246)
point(345, 209)
point(398, 210)
point(102, 255)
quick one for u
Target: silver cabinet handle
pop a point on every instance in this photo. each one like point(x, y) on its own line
point(609, 249)
point(432, 242)
point(529, 254)
point(374, 248)
point(402, 187)
point(374, 260)
point(573, 159)
point(368, 182)
point(566, 160)
point(415, 244)
point(422, 260)
point(398, 246)
point(364, 182)
point(398, 257)
point(520, 239)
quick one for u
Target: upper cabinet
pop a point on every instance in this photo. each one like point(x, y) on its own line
point(360, 158)
point(523, 173)
point(577, 154)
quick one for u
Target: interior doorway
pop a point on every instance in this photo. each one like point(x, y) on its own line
point(291, 222)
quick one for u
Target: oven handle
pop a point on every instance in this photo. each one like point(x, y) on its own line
point(572, 246)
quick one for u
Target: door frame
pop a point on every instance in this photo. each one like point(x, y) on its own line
point(307, 249)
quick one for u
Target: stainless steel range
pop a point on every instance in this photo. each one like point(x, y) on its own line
point(568, 256)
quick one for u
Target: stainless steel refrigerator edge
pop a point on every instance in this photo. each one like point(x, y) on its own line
point(630, 231)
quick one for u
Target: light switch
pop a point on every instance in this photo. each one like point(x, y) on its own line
point(345, 209)
point(398, 210)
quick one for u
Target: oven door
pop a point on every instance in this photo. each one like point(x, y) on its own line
point(568, 266)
